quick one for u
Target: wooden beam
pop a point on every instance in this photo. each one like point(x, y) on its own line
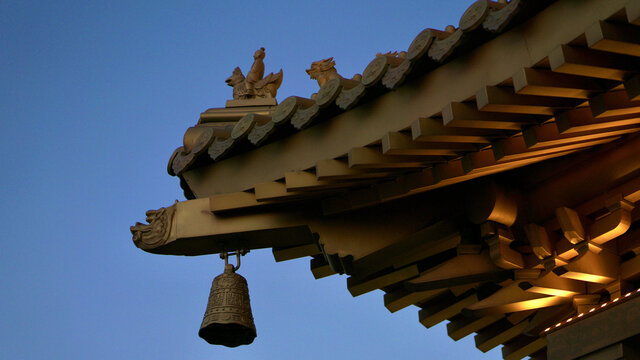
point(538, 237)
point(295, 252)
point(591, 267)
point(513, 298)
point(629, 242)
point(585, 302)
point(432, 240)
point(350, 200)
point(566, 251)
point(461, 326)
point(522, 346)
point(461, 270)
point(397, 143)
point(190, 228)
point(499, 99)
point(467, 115)
point(614, 224)
point(298, 181)
point(433, 314)
point(234, 201)
point(630, 269)
point(502, 254)
point(633, 13)
point(373, 158)
point(391, 189)
point(381, 191)
point(275, 191)
point(632, 86)
point(428, 129)
point(615, 38)
point(548, 317)
point(593, 63)
point(614, 103)
point(335, 169)
point(571, 224)
point(582, 179)
point(498, 333)
point(358, 286)
point(628, 190)
point(517, 317)
point(320, 268)
point(582, 119)
point(515, 148)
point(541, 82)
point(401, 298)
point(552, 284)
point(547, 135)
point(421, 179)
point(484, 163)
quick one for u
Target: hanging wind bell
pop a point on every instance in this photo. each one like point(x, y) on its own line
point(228, 320)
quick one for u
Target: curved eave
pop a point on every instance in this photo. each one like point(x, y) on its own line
point(541, 42)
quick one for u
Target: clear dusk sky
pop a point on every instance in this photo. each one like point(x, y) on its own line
point(94, 97)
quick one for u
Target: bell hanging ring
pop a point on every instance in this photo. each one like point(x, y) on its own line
point(228, 319)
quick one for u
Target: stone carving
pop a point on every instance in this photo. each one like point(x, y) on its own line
point(260, 133)
point(182, 161)
point(254, 85)
point(288, 107)
point(328, 92)
point(323, 71)
point(156, 233)
point(376, 69)
point(196, 140)
point(442, 48)
point(476, 13)
point(395, 76)
point(220, 147)
point(499, 19)
point(246, 123)
point(349, 98)
point(422, 41)
point(304, 117)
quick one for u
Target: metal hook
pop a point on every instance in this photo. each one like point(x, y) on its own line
point(238, 253)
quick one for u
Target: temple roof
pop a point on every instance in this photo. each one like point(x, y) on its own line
point(519, 97)
point(219, 134)
point(546, 110)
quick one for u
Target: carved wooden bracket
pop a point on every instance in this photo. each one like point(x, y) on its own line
point(539, 239)
point(157, 232)
point(614, 224)
point(501, 254)
point(491, 203)
point(602, 230)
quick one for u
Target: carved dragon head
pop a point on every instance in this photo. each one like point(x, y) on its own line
point(323, 70)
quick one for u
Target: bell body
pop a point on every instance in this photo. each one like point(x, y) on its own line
point(228, 320)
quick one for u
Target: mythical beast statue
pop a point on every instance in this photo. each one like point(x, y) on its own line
point(254, 85)
point(325, 70)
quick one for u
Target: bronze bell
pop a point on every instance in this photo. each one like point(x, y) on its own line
point(228, 320)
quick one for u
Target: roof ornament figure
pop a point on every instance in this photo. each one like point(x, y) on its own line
point(255, 85)
point(325, 70)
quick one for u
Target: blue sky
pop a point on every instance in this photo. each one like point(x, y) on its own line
point(94, 97)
